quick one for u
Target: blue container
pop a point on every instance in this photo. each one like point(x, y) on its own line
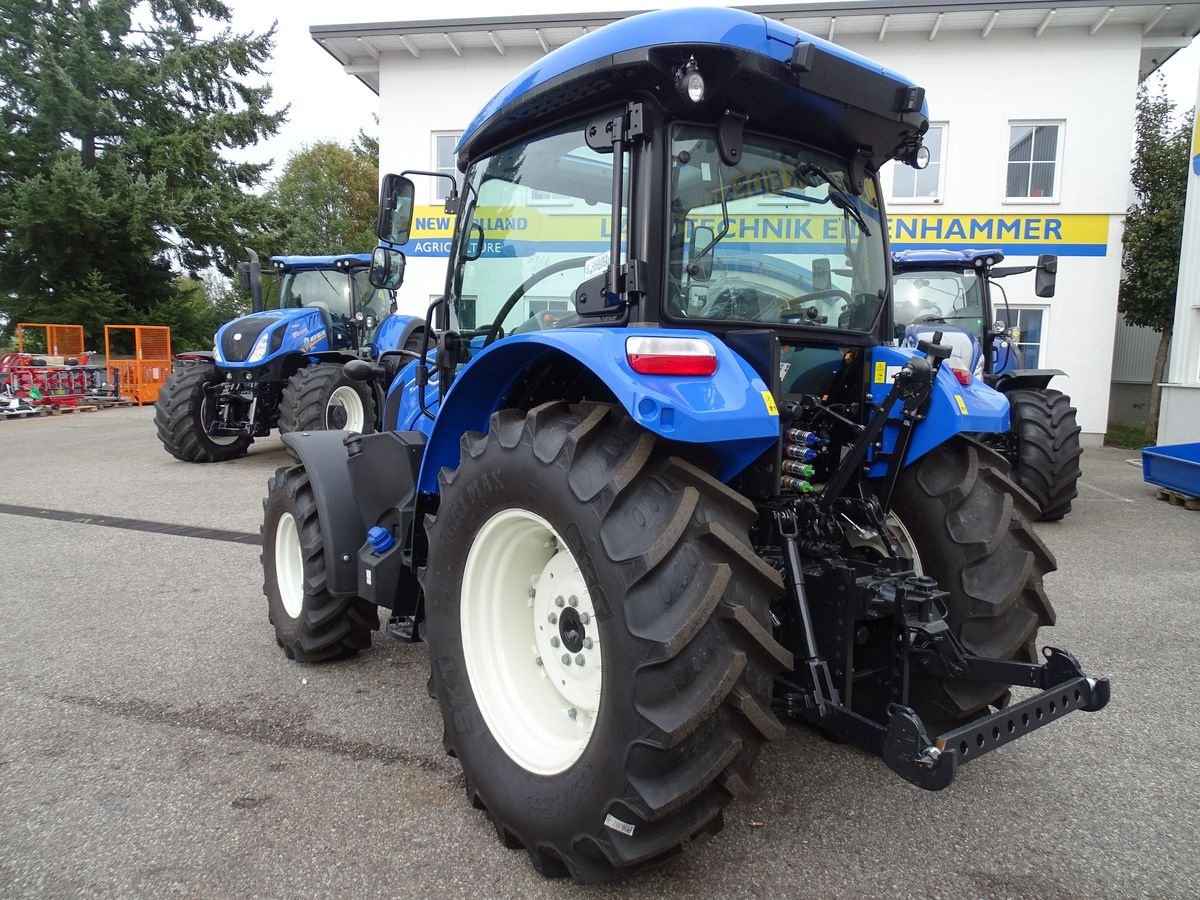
point(1176, 467)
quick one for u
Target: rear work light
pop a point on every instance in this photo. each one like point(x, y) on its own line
point(959, 368)
point(653, 355)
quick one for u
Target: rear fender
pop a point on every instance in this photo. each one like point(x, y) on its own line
point(730, 412)
point(1026, 379)
point(953, 408)
point(394, 332)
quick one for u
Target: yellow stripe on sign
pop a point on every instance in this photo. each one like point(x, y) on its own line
point(770, 401)
point(881, 373)
point(962, 404)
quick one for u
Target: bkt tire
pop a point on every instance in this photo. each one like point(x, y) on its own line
point(322, 398)
point(180, 414)
point(599, 639)
point(971, 529)
point(311, 625)
point(1046, 439)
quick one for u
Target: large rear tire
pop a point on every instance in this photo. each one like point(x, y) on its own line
point(180, 413)
point(1046, 439)
point(612, 759)
point(311, 625)
point(971, 529)
point(322, 398)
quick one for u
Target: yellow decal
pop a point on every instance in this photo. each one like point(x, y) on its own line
point(881, 373)
point(962, 404)
point(770, 401)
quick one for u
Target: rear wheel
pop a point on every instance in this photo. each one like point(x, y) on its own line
point(311, 624)
point(970, 528)
point(599, 637)
point(1047, 449)
point(322, 398)
point(182, 418)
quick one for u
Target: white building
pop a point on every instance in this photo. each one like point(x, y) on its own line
point(1032, 105)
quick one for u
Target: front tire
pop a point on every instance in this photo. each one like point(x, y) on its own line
point(322, 398)
point(180, 414)
point(971, 529)
point(579, 502)
point(1047, 449)
point(311, 625)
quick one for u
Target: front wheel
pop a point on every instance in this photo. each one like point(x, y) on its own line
point(183, 418)
point(1046, 446)
point(599, 638)
point(322, 398)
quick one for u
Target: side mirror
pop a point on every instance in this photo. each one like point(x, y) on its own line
point(387, 268)
point(1047, 272)
point(822, 280)
point(395, 209)
point(700, 253)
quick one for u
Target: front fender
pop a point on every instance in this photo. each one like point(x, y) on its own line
point(731, 412)
point(394, 332)
point(1026, 379)
point(953, 408)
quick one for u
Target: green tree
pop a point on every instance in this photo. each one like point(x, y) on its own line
point(115, 120)
point(327, 198)
point(1154, 227)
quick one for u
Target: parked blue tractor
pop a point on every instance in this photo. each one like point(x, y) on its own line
point(643, 511)
point(950, 292)
point(282, 368)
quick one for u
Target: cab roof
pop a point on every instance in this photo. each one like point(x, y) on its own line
point(301, 263)
point(943, 259)
point(747, 62)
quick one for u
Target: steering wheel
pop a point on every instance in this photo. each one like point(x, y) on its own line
point(497, 330)
point(831, 293)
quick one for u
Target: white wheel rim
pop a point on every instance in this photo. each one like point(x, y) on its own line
point(540, 709)
point(221, 440)
point(346, 399)
point(289, 565)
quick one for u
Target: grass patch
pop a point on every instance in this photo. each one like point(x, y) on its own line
point(1127, 437)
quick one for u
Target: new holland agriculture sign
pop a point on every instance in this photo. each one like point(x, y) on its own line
point(526, 230)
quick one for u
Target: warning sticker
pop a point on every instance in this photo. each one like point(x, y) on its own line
point(881, 372)
point(962, 404)
point(770, 401)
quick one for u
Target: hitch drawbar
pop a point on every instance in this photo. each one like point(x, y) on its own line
point(931, 763)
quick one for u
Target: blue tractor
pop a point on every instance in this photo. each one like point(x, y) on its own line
point(282, 368)
point(646, 495)
point(950, 292)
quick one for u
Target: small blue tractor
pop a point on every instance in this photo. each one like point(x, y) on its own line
point(282, 368)
point(657, 482)
point(950, 291)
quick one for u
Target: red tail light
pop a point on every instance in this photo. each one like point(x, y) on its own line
point(959, 368)
point(653, 355)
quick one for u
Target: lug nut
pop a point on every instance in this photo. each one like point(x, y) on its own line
point(574, 601)
point(572, 713)
point(558, 601)
point(553, 642)
point(552, 618)
point(587, 643)
point(566, 659)
point(584, 618)
point(579, 660)
point(538, 660)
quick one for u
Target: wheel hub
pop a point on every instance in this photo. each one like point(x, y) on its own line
point(571, 630)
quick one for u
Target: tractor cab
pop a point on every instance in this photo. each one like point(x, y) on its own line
point(339, 288)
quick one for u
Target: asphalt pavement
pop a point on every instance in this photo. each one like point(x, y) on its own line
point(154, 741)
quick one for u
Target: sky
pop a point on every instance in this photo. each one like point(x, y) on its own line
point(327, 104)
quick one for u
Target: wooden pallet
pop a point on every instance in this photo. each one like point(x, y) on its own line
point(63, 410)
point(1177, 499)
point(112, 402)
point(23, 414)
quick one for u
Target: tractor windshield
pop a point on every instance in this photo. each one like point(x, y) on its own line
point(952, 298)
point(534, 227)
point(778, 238)
point(317, 289)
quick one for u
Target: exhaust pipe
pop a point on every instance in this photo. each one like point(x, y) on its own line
point(250, 280)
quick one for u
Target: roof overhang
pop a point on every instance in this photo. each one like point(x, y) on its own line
point(1165, 28)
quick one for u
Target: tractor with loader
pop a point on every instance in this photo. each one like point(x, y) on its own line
point(708, 498)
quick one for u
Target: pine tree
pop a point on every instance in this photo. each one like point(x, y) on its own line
point(116, 118)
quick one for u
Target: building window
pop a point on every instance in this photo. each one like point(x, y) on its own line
point(1029, 324)
point(1033, 160)
point(443, 161)
point(922, 185)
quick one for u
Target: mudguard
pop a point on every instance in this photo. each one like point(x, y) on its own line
point(393, 333)
point(1026, 379)
point(323, 454)
point(953, 409)
point(731, 411)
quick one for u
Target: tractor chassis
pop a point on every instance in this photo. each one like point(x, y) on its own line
point(240, 408)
